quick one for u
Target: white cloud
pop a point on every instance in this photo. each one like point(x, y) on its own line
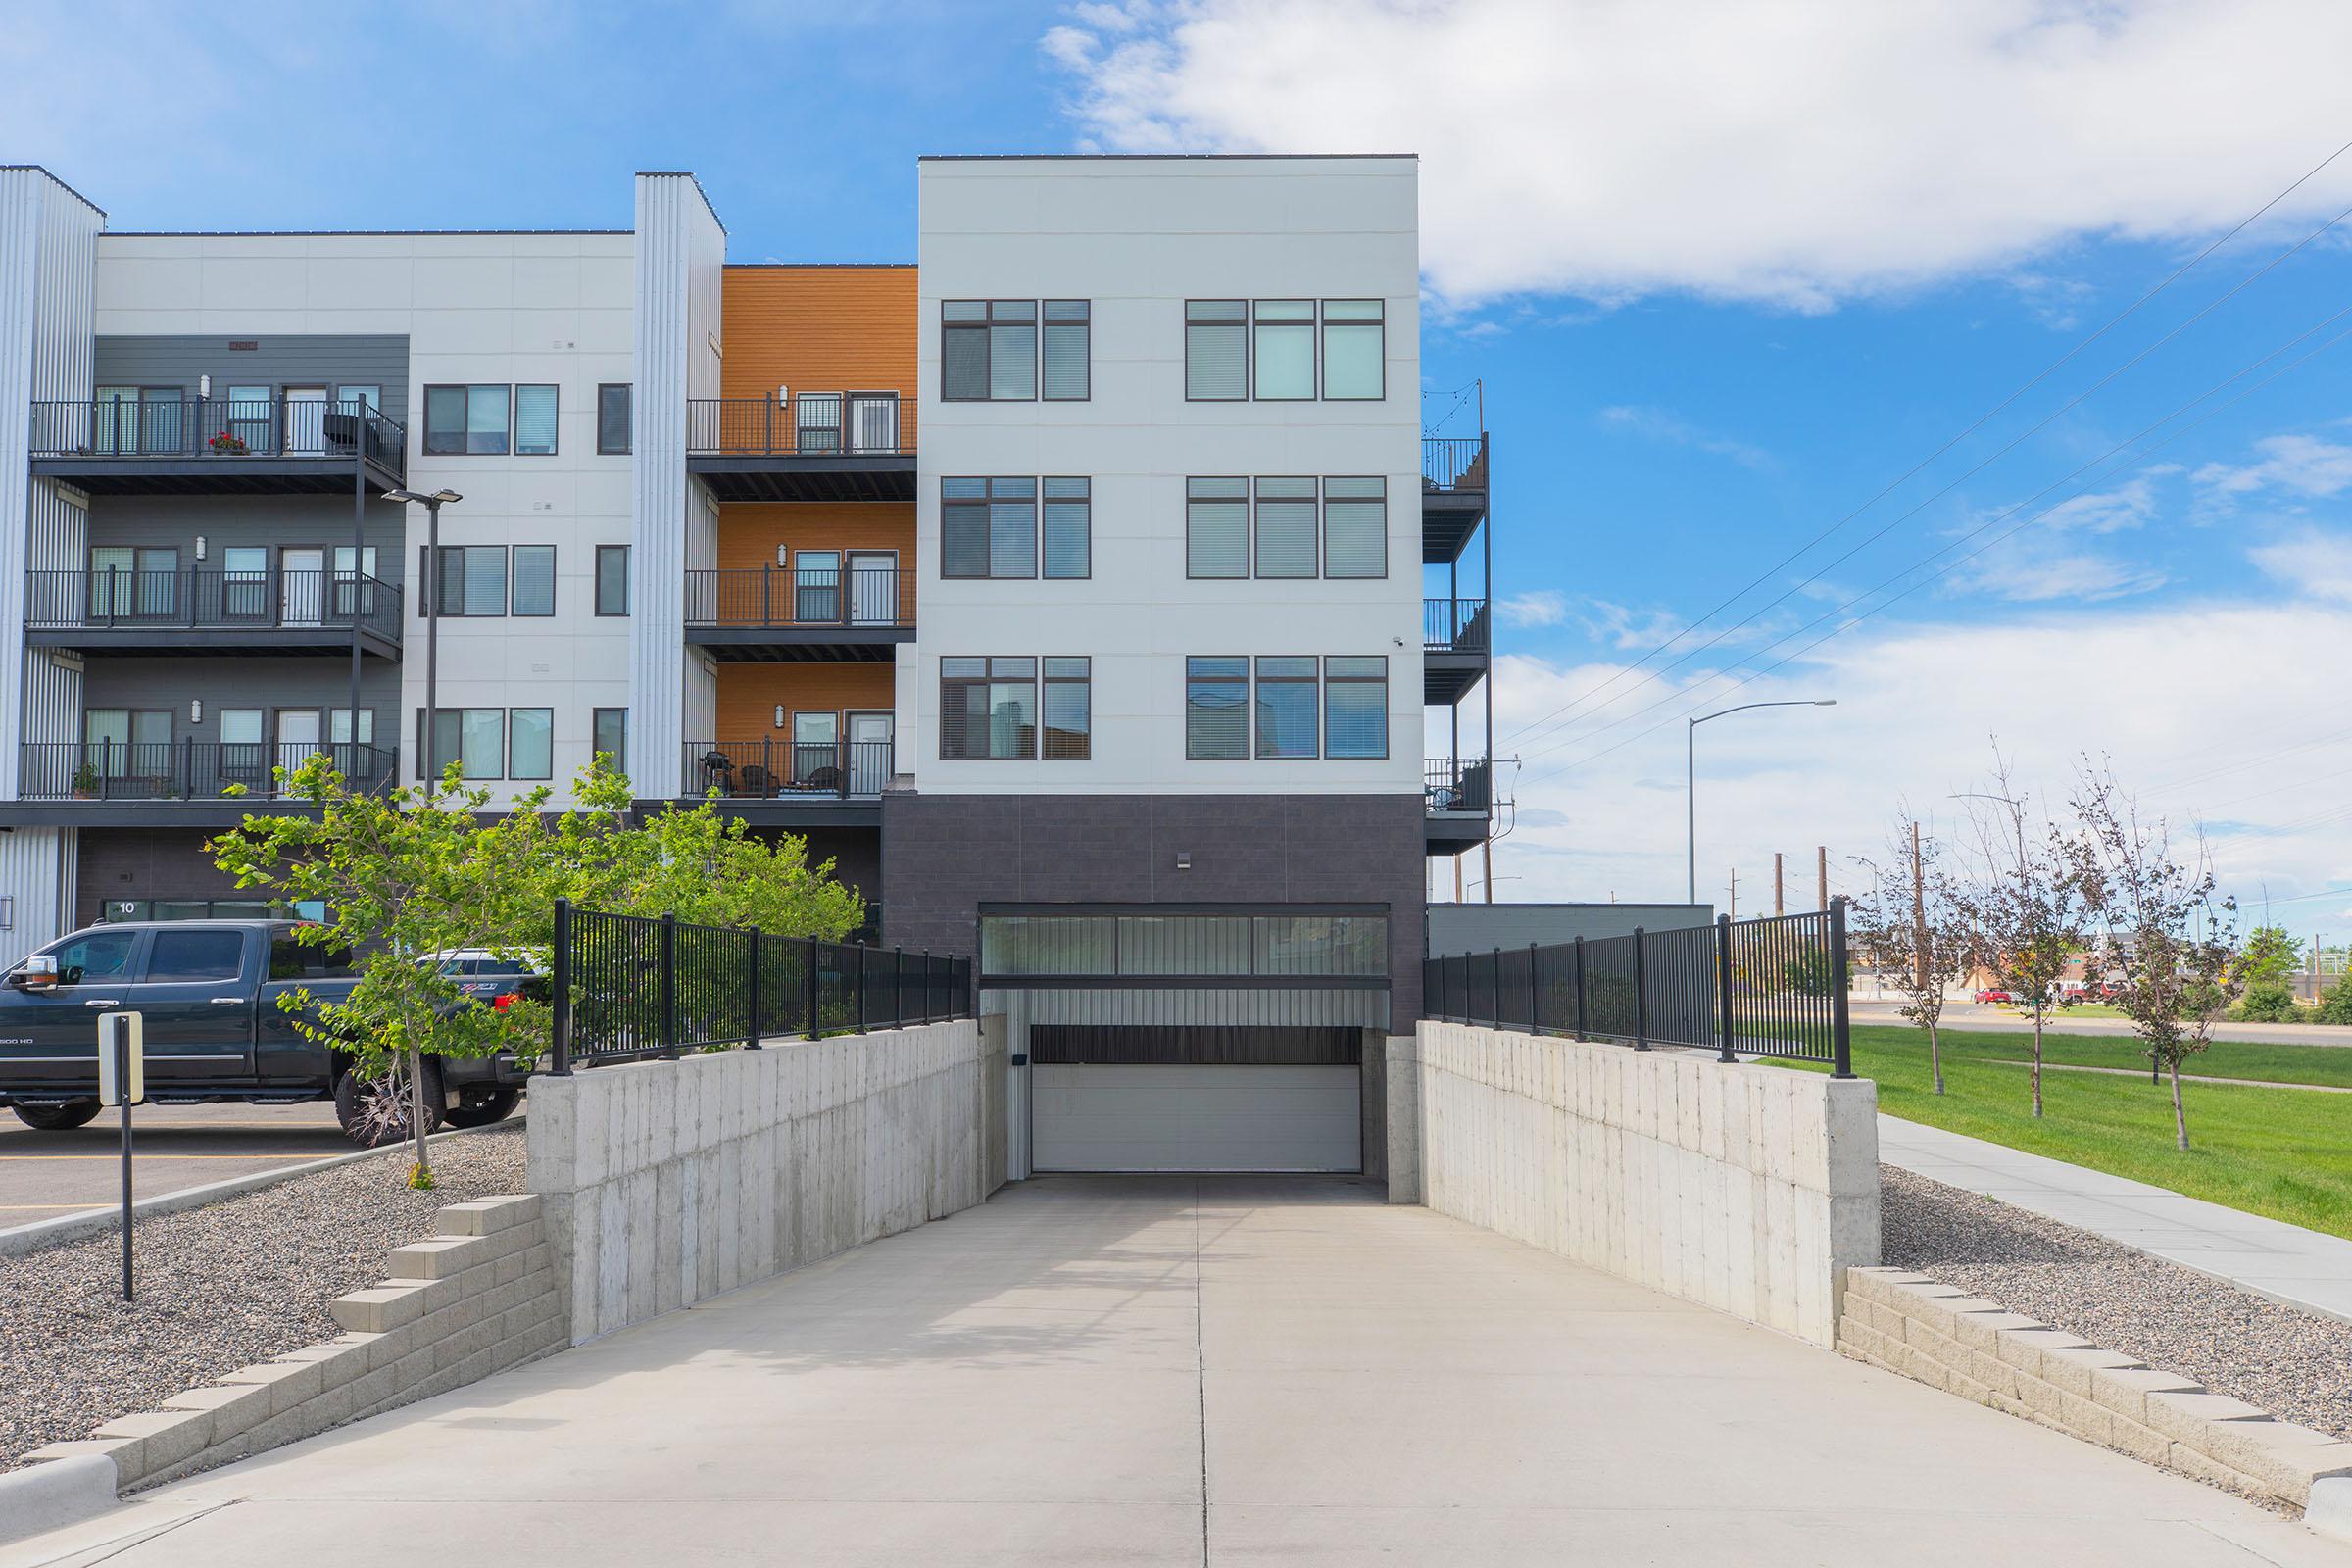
point(1797, 154)
point(1542, 607)
point(2314, 562)
point(2305, 466)
point(2058, 558)
point(1659, 424)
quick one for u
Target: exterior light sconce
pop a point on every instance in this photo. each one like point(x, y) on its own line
point(195, 709)
point(783, 554)
point(199, 547)
point(779, 715)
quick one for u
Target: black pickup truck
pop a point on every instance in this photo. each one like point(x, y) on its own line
point(214, 1030)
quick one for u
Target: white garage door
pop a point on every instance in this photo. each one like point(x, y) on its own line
point(1195, 1116)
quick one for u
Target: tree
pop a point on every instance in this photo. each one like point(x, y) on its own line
point(2270, 953)
point(2174, 942)
point(1916, 919)
point(2024, 906)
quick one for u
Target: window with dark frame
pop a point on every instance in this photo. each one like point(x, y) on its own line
point(613, 419)
point(1069, 528)
point(1283, 351)
point(1356, 707)
point(988, 527)
point(1069, 716)
point(1356, 526)
point(535, 419)
point(1216, 709)
point(610, 737)
point(986, 709)
point(471, 581)
point(531, 743)
point(1285, 708)
point(611, 580)
point(1216, 527)
point(1216, 351)
point(534, 580)
point(470, 421)
point(1067, 353)
point(988, 351)
point(1355, 365)
point(474, 738)
point(1286, 528)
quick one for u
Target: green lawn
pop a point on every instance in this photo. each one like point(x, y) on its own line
point(2280, 1153)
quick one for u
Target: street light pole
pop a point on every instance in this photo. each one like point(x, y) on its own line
point(432, 504)
point(1691, 772)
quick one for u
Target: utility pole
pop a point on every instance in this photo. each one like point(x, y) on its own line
point(1776, 905)
point(1919, 910)
point(1733, 911)
point(1820, 867)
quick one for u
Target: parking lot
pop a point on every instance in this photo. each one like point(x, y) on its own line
point(43, 1175)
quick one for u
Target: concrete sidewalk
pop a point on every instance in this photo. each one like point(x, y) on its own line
point(1977, 1018)
point(1178, 1371)
point(2284, 1263)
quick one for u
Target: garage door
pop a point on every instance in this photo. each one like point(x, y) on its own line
point(1107, 1099)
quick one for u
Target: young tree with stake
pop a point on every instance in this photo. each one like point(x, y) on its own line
point(1916, 919)
point(2026, 905)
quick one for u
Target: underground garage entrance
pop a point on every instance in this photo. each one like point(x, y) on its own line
point(1145, 1039)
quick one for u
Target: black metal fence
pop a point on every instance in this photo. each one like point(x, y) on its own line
point(864, 593)
point(802, 425)
point(1453, 625)
point(1775, 987)
point(627, 987)
point(120, 599)
point(176, 425)
point(187, 769)
point(790, 770)
point(1454, 463)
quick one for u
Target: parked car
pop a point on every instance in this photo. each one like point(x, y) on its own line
point(2001, 994)
point(213, 1027)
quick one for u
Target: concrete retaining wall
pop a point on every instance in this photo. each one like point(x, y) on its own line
point(1750, 1188)
point(669, 1182)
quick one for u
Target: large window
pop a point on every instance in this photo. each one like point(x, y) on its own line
point(1068, 375)
point(611, 580)
point(988, 527)
point(1069, 711)
point(1069, 539)
point(986, 709)
point(1355, 363)
point(188, 957)
point(1216, 709)
point(535, 422)
point(1356, 528)
point(988, 351)
point(1356, 707)
point(474, 738)
point(1286, 528)
point(613, 419)
point(531, 743)
point(471, 581)
point(611, 738)
point(1284, 342)
point(465, 419)
point(1216, 527)
point(1216, 350)
point(534, 579)
point(1286, 706)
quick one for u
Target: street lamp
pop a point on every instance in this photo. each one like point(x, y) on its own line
point(1690, 769)
point(432, 504)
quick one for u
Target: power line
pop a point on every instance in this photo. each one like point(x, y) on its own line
point(1978, 424)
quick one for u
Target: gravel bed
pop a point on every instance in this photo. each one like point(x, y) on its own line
point(218, 1288)
point(2296, 1365)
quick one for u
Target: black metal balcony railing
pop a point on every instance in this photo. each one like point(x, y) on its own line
point(1453, 625)
point(225, 428)
point(880, 597)
point(1458, 784)
point(1454, 463)
point(787, 769)
point(187, 769)
point(805, 424)
point(204, 599)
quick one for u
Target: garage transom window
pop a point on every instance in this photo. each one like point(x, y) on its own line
point(1236, 943)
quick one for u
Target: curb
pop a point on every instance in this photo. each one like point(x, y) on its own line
point(2330, 1511)
point(21, 1238)
point(61, 1491)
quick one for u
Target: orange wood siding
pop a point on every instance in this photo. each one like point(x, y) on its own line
point(749, 533)
point(748, 695)
point(819, 329)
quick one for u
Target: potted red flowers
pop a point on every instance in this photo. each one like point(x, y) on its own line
point(228, 444)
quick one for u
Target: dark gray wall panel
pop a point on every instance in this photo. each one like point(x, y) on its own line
point(317, 358)
point(146, 863)
point(237, 682)
point(323, 521)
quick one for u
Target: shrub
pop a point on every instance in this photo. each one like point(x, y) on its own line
point(2269, 1001)
point(2336, 1004)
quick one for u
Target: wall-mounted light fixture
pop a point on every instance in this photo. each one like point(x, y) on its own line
point(199, 547)
point(783, 554)
point(204, 386)
point(195, 709)
point(783, 394)
point(779, 715)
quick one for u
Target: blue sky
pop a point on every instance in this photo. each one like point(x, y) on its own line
point(1720, 284)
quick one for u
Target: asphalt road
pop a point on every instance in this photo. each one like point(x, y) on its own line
point(1992, 1019)
point(43, 1175)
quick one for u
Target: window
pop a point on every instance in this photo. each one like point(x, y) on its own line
point(611, 580)
point(242, 727)
point(1286, 528)
point(100, 956)
point(611, 737)
point(986, 709)
point(816, 749)
point(988, 351)
point(613, 419)
point(1285, 348)
point(474, 738)
point(531, 743)
point(1216, 527)
point(534, 579)
point(473, 580)
point(249, 416)
point(1216, 709)
point(1356, 528)
point(338, 726)
point(124, 741)
point(988, 527)
point(1356, 707)
point(1216, 351)
point(290, 960)
point(1069, 528)
point(356, 399)
point(1069, 711)
point(1286, 706)
point(535, 422)
point(188, 957)
point(465, 419)
point(816, 585)
point(1068, 373)
point(1355, 349)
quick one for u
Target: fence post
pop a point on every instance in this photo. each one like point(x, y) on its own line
point(898, 987)
point(1579, 988)
point(1495, 991)
point(1723, 983)
point(669, 985)
point(814, 1032)
point(559, 1008)
point(1535, 990)
point(1640, 996)
point(1841, 1050)
point(751, 1015)
point(861, 988)
point(927, 985)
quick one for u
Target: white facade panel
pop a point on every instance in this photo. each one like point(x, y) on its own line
point(1195, 1119)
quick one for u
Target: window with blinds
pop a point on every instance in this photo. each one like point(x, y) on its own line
point(1286, 706)
point(471, 581)
point(1216, 709)
point(1356, 707)
point(535, 422)
point(531, 743)
point(613, 419)
point(534, 579)
point(1216, 350)
point(1067, 357)
point(1285, 348)
point(1286, 528)
point(1355, 349)
point(988, 527)
point(988, 350)
point(1356, 526)
point(1069, 709)
point(986, 709)
point(1216, 527)
point(1069, 527)
point(467, 420)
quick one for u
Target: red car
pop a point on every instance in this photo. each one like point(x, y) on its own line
point(1996, 993)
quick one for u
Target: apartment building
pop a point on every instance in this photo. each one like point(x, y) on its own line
point(1080, 589)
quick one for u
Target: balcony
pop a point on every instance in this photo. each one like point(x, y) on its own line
point(1455, 648)
point(789, 783)
point(770, 615)
point(1453, 495)
point(804, 446)
point(175, 783)
point(218, 446)
point(1459, 796)
point(113, 610)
